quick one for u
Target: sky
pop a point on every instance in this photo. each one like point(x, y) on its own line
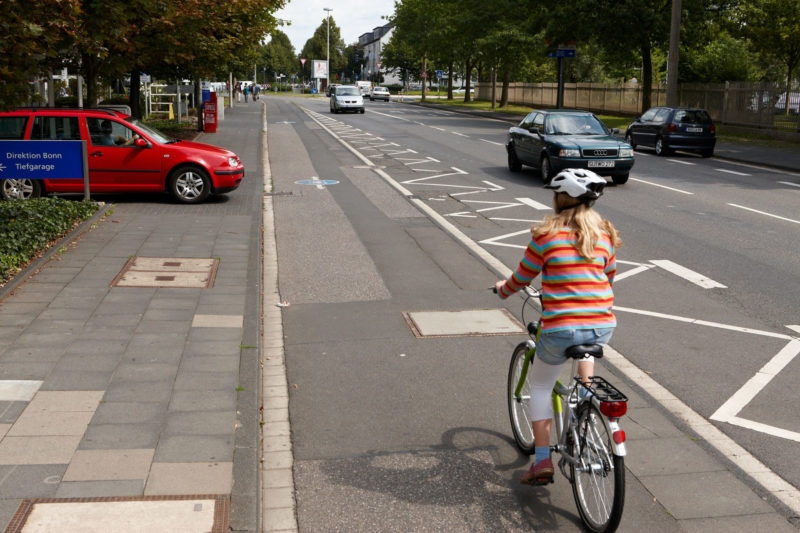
point(353, 17)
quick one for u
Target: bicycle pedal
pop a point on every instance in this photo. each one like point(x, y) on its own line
point(539, 482)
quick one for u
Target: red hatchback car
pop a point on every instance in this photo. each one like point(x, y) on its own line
point(124, 155)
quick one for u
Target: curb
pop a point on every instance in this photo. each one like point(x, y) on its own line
point(40, 261)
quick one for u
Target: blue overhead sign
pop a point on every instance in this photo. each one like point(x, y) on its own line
point(562, 52)
point(38, 160)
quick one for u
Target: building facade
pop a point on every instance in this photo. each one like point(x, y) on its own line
point(371, 44)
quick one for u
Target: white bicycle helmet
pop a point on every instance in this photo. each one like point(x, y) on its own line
point(578, 183)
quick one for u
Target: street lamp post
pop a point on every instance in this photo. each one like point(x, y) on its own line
point(328, 47)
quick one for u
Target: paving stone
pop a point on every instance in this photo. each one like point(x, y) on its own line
point(18, 390)
point(74, 361)
point(77, 380)
point(194, 448)
point(121, 320)
point(105, 332)
point(205, 381)
point(120, 436)
point(214, 334)
point(61, 401)
point(200, 423)
point(203, 400)
point(211, 363)
point(97, 489)
point(109, 465)
point(170, 314)
point(217, 321)
point(223, 348)
point(66, 313)
point(158, 391)
point(38, 450)
point(10, 411)
point(145, 372)
point(36, 423)
point(130, 413)
point(97, 346)
point(30, 481)
point(64, 325)
point(26, 371)
point(190, 478)
point(7, 320)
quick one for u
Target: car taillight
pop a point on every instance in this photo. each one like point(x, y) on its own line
point(614, 409)
point(619, 436)
point(672, 127)
point(713, 129)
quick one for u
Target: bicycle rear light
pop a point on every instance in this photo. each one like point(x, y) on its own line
point(614, 409)
point(619, 436)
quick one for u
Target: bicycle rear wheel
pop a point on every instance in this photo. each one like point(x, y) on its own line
point(599, 477)
point(518, 410)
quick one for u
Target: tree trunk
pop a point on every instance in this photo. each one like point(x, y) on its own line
point(136, 109)
point(647, 76)
point(468, 79)
point(506, 82)
point(450, 68)
point(425, 76)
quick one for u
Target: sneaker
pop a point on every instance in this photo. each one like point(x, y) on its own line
point(540, 473)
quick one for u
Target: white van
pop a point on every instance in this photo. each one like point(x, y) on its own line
point(365, 86)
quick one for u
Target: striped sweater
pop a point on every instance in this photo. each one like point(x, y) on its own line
point(576, 293)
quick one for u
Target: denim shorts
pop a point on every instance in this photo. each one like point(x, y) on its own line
point(551, 346)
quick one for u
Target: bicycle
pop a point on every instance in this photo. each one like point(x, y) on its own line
point(588, 435)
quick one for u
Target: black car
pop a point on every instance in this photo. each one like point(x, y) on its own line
point(553, 140)
point(674, 128)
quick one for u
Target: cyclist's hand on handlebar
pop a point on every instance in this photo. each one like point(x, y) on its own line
point(498, 286)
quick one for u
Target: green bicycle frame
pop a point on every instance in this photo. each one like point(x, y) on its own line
point(557, 407)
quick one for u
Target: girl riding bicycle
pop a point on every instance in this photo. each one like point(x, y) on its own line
point(575, 252)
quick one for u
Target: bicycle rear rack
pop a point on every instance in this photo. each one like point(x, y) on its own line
point(603, 390)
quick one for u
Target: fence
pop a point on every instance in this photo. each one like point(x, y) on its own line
point(759, 105)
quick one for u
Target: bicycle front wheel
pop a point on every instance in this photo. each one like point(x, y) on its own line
point(599, 477)
point(518, 410)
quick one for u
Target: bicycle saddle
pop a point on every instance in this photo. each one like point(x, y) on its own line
point(581, 351)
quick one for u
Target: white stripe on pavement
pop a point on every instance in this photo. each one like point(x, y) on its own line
point(691, 275)
point(662, 186)
point(732, 172)
point(533, 203)
point(765, 213)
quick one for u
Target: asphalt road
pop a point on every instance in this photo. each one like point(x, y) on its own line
point(706, 290)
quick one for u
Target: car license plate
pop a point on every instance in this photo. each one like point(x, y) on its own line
point(694, 130)
point(601, 164)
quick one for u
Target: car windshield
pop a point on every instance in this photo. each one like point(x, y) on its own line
point(693, 116)
point(347, 91)
point(574, 125)
point(152, 132)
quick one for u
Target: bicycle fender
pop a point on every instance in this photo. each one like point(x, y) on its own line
point(618, 449)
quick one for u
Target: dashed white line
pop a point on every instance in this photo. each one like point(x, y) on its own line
point(662, 186)
point(765, 213)
point(457, 133)
point(492, 142)
point(681, 162)
point(732, 172)
point(789, 183)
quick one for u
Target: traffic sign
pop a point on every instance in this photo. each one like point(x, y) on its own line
point(439, 74)
point(562, 52)
point(37, 160)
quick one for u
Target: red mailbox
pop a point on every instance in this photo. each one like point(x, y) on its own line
point(210, 114)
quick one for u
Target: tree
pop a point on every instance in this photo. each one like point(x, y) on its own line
point(278, 55)
point(317, 46)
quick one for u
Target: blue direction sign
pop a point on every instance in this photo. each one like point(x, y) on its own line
point(38, 160)
point(562, 52)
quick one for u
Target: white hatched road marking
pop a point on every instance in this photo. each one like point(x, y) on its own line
point(533, 203)
point(765, 213)
point(691, 275)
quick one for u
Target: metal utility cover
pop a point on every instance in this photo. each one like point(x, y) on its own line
point(463, 323)
point(179, 272)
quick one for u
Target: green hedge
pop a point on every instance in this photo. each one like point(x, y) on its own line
point(29, 227)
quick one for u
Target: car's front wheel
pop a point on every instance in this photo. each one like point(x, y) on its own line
point(546, 169)
point(189, 185)
point(629, 140)
point(620, 179)
point(20, 189)
point(514, 164)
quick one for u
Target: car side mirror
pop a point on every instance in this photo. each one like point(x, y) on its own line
point(141, 143)
point(637, 119)
point(614, 131)
point(534, 130)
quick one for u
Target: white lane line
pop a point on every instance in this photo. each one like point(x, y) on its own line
point(765, 213)
point(533, 203)
point(682, 162)
point(527, 221)
point(437, 128)
point(492, 142)
point(732, 172)
point(690, 275)
point(662, 186)
point(459, 134)
point(782, 182)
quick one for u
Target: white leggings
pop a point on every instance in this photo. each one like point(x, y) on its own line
point(542, 377)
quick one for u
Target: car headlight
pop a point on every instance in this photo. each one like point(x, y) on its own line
point(626, 152)
point(233, 161)
point(569, 153)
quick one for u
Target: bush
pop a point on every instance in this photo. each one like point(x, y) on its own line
point(395, 88)
point(29, 227)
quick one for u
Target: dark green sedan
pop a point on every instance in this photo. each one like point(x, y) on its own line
point(553, 140)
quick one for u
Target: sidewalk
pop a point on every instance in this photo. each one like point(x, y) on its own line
point(132, 400)
point(129, 372)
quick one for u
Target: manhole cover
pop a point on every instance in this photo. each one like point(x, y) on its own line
point(463, 323)
point(190, 514)
point(167, 272)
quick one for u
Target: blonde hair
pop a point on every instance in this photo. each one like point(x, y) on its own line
point(582, 220)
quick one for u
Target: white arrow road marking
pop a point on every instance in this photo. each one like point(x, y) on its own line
point(691, 275)
point(765, 213)
point(632, 272)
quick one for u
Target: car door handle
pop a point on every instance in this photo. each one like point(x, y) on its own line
point(95, 154)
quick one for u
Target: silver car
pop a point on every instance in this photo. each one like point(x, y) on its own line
point(379, 93)
point(347, 98)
